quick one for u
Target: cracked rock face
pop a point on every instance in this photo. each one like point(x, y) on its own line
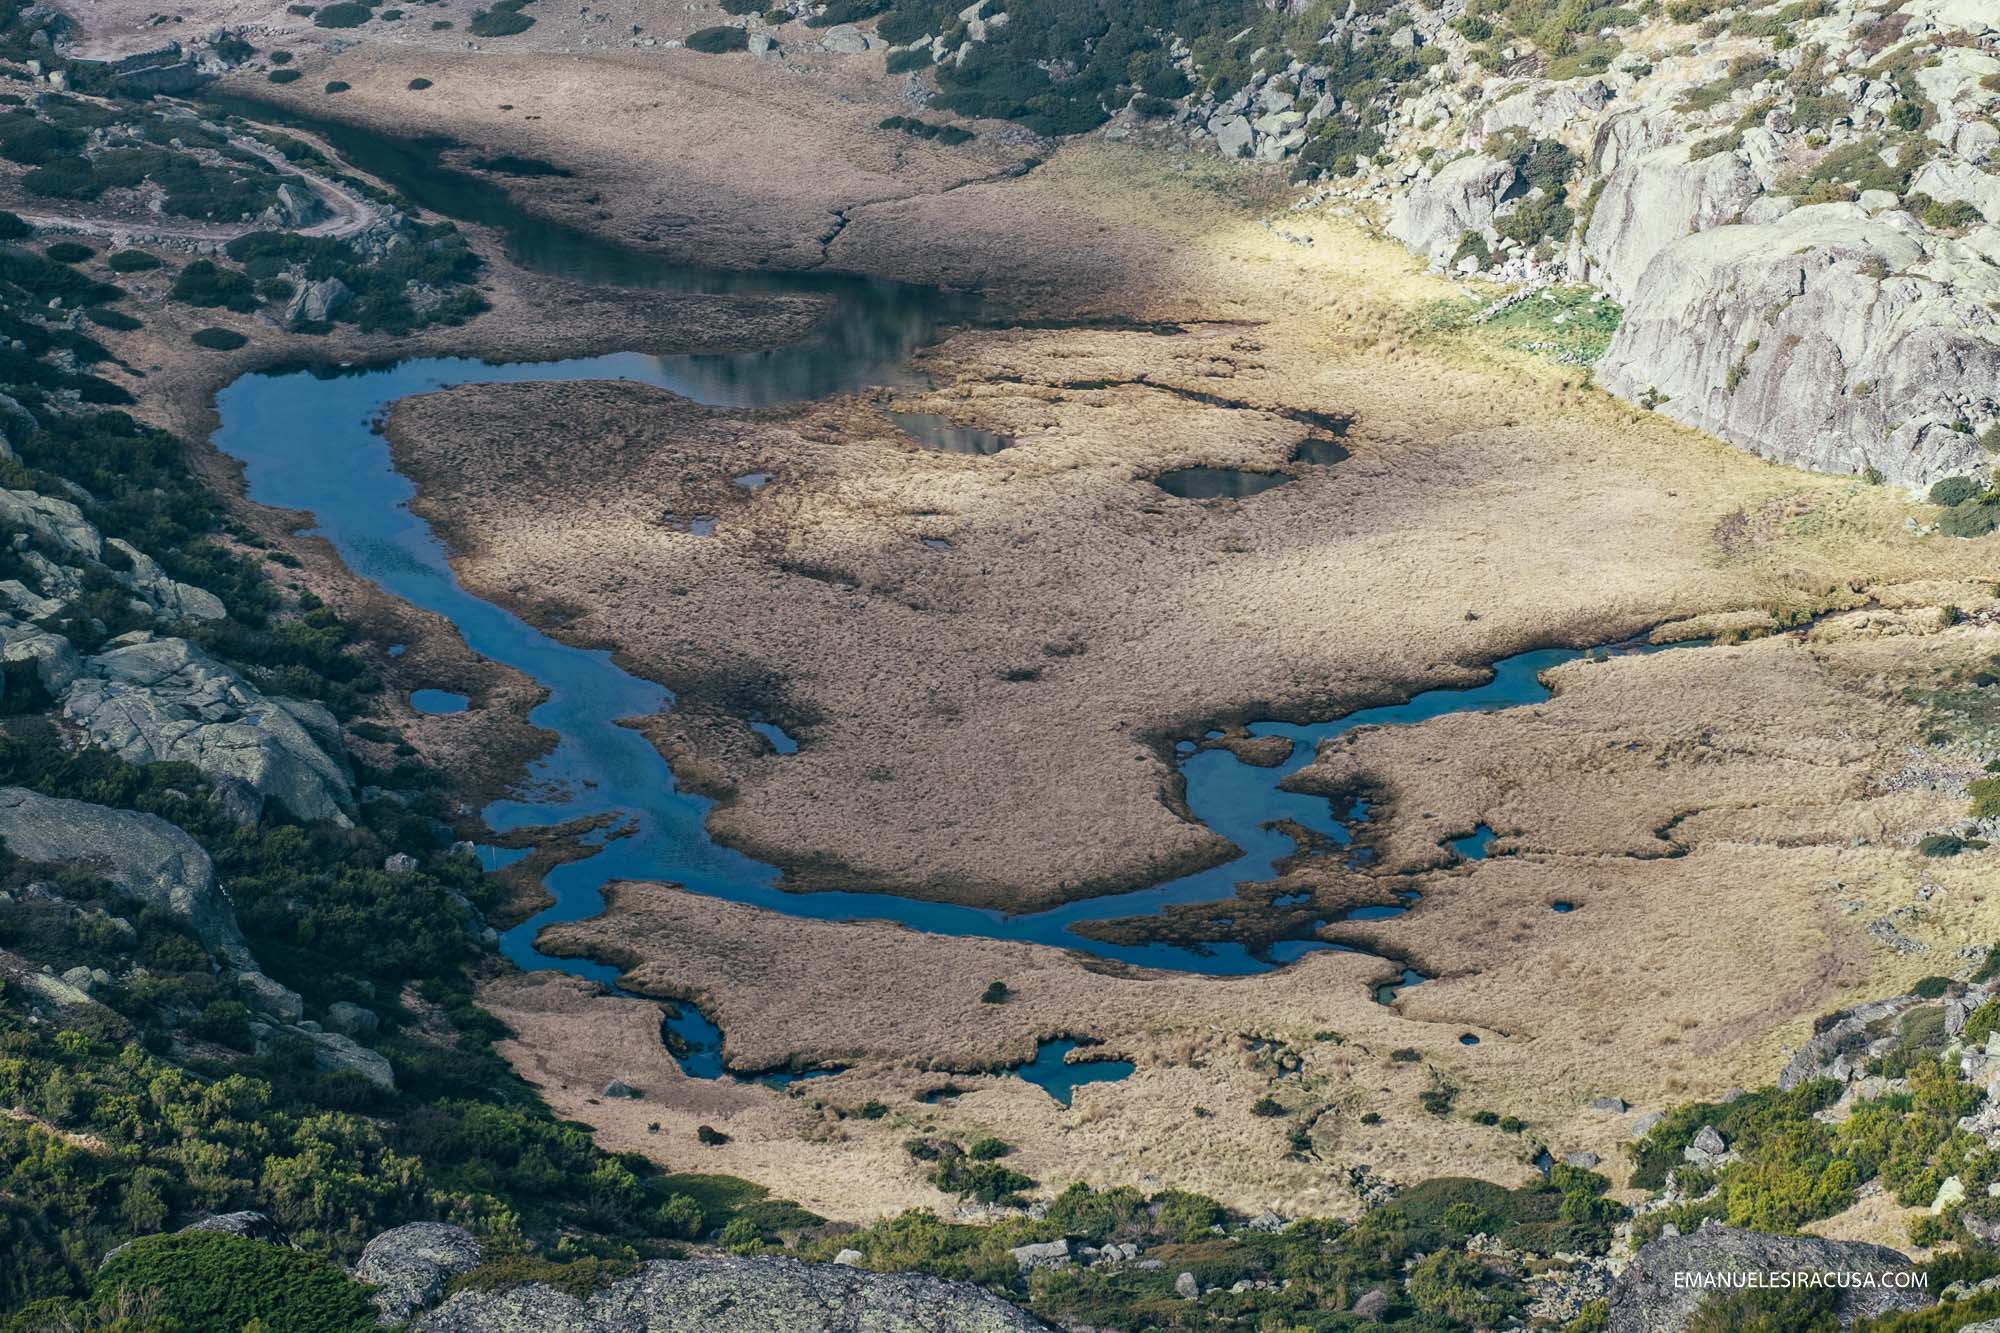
point(1435, 214)
point(1645, 1298)
point(144, 855)
point(1828, 339)
point(761, 1295)
point(152, 700)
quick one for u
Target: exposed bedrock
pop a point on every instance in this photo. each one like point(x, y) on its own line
point(1827, 338)
point(151, 700)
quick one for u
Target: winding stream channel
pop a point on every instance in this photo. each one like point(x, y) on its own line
point(307, 442)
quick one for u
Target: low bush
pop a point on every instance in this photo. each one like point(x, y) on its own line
point(217, 340)
point(1953, 490)
point(131, 261)
point(69, 252)
point(208, 1279)
point(718, 41)
point(285, 76)
point(342, 14)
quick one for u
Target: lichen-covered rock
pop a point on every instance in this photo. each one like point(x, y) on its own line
point(150, 700)
point(1828, 339)
point(410, 1265)
point(1434, 215)
point(144, 855)
point(1647, 1299)
point(56, 660)
point(760, 1295)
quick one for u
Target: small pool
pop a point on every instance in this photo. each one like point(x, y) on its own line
point(780, 739)
point(1218, 483)
point(1475, 845)
point(1320, 452)
point(1561, 906)
point(438, 701)
point(1049, 1072)
point(941, 432)
point(751, 481)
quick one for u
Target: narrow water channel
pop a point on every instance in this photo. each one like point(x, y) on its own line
point(306, 443)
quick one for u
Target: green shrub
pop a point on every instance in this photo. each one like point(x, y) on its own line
point(337, 86)
point(107, 318)
point(217, 340)
point(1980, 1022)
point(1985, 793)
point(285, 76)
point(69, 252)
point(1974, 518)
point(342, 14)
point(418, 85)
point(1267, 1105)
point(1940, 844)
point(131, 261)
point(1930, 988)
point(903, 62)
point(987, 1149)
point(718, 41)
point(996, 992)
point(847, 11)
point(1446, 1285)
point(1953, 490)
point(210, 1279)
point(205, 285)
point(503, 20)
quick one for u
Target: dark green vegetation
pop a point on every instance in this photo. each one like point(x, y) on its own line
point(503, 20)
point(949, 135)
point(218, 340)
point(342, 14)
point(205, 1279)
point(718, 41)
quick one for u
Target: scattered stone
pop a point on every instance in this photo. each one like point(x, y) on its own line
point(1187, 1288)
point(1049, 1254)
point(618, 1087)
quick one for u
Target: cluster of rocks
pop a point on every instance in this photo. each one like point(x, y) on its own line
point(152, 700)
point(56, 545)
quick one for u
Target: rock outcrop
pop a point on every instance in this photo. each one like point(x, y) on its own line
point(1828, 339)
point(1646, 1298)
point(59, 529)
point(760, 1295)
point(150, 700)
point(1434, 215)
point(141, 854)
point(410, 1265)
